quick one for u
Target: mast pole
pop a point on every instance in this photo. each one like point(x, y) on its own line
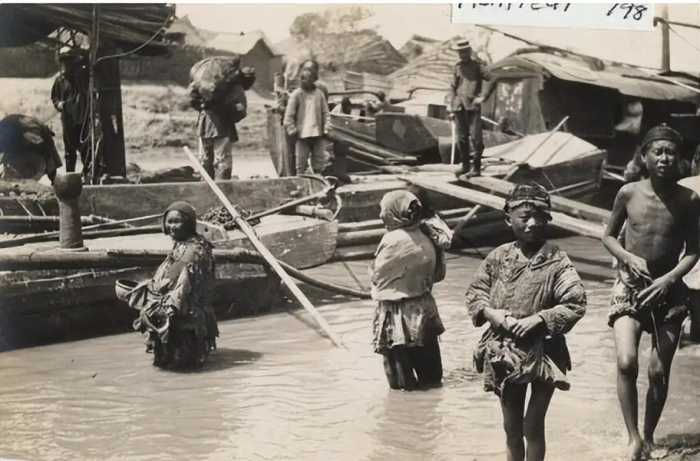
point(665, 39)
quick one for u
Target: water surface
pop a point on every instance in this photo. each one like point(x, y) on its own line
point(277, 390)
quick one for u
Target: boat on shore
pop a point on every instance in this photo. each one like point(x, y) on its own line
point(39, 300)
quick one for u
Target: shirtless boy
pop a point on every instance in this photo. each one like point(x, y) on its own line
point(660, 247)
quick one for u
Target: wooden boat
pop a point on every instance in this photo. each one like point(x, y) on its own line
point(37, 303)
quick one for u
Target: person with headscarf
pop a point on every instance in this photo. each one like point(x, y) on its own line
point(530, 294)
point(174, 305)
point(406, 323)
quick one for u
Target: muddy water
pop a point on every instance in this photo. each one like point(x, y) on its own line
point(276, 390)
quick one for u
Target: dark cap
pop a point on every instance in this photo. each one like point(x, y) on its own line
point(662, 132)
point(532, 193)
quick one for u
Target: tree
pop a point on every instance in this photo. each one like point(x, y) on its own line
point(307, 25)
point(332, 20)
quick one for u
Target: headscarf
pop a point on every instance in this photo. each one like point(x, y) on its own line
point(533, 194)
point(399, 208)
point(189, 215)
point(662, 132)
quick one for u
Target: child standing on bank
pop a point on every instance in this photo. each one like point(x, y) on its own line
point(307, 117)
point(660, 247)
point(530, 294)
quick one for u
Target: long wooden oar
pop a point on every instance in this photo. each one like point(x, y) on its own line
point(514, 169)
point(264, 252)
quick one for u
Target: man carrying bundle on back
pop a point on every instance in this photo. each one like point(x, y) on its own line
point(217, 91)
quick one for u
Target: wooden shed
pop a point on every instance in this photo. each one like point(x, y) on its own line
point(255, 51)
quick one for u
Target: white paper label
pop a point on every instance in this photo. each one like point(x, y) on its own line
point(630, 16)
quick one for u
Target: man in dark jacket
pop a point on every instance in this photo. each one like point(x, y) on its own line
point(464, 106)
point(69, 97)
point(217, 131)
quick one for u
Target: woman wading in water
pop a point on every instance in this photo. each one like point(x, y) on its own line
point(530, 294)
point(406, 321)
point(174, 307)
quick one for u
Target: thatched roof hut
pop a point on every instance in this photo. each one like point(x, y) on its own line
point(416, 46)
point(361, 51)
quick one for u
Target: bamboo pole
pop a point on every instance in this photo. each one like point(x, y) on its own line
point(561, 220)
point(264, 252)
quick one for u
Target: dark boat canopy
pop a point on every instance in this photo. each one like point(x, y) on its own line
point(126, 25)
point(627, 79)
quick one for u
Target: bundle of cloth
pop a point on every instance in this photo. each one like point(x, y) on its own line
point(27, 149)
point(213, 77)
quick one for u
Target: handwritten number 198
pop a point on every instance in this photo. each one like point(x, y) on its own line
point(636, 11)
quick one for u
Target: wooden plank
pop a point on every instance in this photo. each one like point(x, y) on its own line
point(119, 201)
point(571, 207)
point(559, 219)
point(376, 223)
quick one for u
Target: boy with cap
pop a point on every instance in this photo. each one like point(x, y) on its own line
point(660, 247)
point(531, 295)
point(464, 106)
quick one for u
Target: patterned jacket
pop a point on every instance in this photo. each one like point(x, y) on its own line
point(547, 284)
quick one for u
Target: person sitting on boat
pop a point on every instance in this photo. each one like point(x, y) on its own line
point(307, 117)
point(406, 323)
point(464, 106)
point(175, 308)
point(530, 294)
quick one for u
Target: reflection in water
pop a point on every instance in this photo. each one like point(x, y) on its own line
point(277, 390)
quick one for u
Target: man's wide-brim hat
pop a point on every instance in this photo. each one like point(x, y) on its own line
point(461, 45)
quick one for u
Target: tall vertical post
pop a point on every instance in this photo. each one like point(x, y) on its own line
point(665, 38)
point(111, 152)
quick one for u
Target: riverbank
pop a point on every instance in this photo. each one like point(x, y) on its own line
point(158, 120)
point(275, 389)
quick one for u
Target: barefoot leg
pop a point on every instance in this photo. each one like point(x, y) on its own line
point(534, 420)
point(627, 333)
point(513, 408)
point(659, 371)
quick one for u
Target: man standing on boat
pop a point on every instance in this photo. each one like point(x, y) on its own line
point(69, 95)
point(464, 106)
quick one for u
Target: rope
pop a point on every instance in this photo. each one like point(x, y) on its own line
point(160, 30)
point(678, 34)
